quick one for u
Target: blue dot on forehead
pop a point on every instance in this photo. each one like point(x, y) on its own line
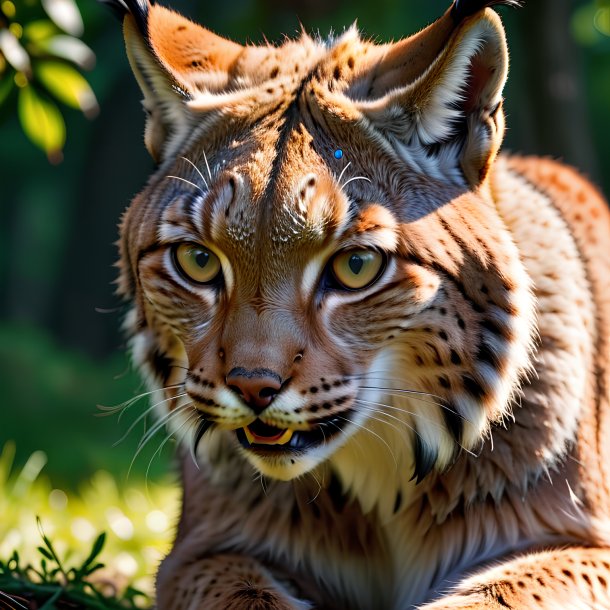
point(338, 153)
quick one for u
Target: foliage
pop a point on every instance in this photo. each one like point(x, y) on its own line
point(55, 585)
point(54, 395)
point(138, 521)
point(39, 49)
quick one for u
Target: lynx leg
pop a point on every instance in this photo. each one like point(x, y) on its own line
point(222, 582)
point(566, 579)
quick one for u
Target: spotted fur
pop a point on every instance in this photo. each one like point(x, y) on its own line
point(458, 402)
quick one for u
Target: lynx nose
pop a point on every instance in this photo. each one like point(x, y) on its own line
point(257, 387)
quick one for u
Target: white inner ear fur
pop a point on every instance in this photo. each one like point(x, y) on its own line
point(429, 108)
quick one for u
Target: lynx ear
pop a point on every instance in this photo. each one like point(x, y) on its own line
point(172, 59)
point(437, 96)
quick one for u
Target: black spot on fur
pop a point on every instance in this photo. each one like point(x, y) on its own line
point(486, 354)
point(425, 458)
point(436, 356)
point(455, 357)
point(473, 387)
point(496, 329)
point(444, 382)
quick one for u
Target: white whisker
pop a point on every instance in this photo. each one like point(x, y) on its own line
point(355, 178)
point(197, 170)
point(144, 414)
point(188, 182)
point(368, 405)
point(313, 476)
point(205, 158)
point(189, 420)
point(146, 438)
point(362, 427)
point(343, 171)
point(125, 405)
point(164, 420)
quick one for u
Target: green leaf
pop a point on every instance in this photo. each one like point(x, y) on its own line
point(44, 552)
point(94, 568)
point(49, 546)
point(37, 31)
point(67, 85)
point(96, 549)
point(42, 123)
point(7, 456)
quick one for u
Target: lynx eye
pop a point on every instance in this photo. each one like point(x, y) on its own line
point(197, 263)
point(355, 269)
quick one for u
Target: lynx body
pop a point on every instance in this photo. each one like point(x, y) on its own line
point(384, 348)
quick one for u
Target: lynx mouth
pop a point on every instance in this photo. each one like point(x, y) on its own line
point(260, 436)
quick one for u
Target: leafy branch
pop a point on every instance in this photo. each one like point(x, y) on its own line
point(40, 51)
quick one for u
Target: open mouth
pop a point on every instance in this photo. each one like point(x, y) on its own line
point(263, 437)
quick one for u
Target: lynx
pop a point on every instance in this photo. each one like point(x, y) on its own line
point(383, 346)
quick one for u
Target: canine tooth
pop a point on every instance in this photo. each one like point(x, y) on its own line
point(285, 438)
point(248, 435)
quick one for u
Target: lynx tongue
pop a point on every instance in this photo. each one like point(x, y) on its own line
point(260, 433)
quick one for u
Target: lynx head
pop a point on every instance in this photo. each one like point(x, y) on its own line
point(318, 272)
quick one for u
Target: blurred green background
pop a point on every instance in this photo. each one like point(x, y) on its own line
point(61, 350)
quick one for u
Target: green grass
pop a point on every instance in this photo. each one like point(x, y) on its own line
point(55, 584)
point(60, 462)
point(138, 520)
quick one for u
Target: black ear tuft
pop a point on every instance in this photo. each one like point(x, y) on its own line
point(137, 8)
point(464, 8)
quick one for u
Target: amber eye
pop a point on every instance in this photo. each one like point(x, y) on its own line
point(197, 263)
point(355, 269)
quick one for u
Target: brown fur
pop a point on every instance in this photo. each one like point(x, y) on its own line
point(456, 406)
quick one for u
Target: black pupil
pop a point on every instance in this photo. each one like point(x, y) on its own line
point(356, 263)
point(202, 258)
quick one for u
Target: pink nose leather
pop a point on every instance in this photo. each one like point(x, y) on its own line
point(257, 387)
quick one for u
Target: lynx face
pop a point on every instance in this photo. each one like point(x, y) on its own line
point(316, 268)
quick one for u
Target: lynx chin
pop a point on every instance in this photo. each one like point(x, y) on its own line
point(383, 346)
